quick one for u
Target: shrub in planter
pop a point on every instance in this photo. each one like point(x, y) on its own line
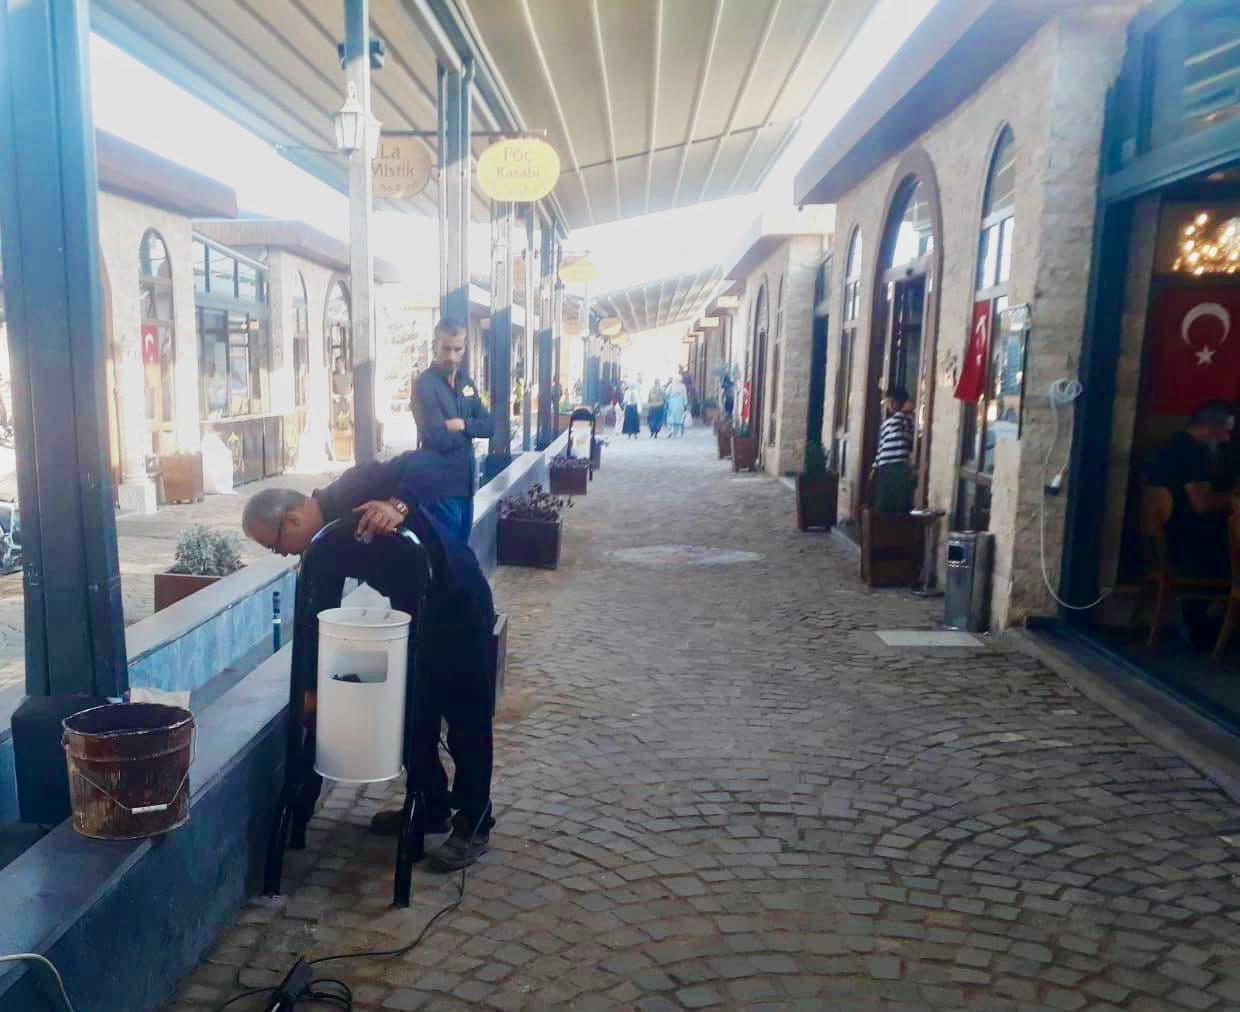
point(817, 491)
point(744, 449)
point(204, 554)
point(528, 529)
point(570, 475)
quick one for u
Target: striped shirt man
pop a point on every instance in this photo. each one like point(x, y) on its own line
point(895, 439)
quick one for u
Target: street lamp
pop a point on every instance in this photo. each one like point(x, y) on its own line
point(355, 127)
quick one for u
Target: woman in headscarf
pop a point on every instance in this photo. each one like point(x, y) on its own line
point(632, 412)
point(677, 407)
point(656, 407)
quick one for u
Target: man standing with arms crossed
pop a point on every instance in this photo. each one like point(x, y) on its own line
point(450, 416)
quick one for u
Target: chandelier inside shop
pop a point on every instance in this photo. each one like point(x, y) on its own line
point(1200, 254)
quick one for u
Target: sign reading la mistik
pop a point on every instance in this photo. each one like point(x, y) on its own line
point(519, 169)
point(401, 168)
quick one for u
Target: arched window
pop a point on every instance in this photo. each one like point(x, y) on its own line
point(914, 233)
point(338, 326)
point(338, 336)
point(848, 336)
point(301, 341)
point(985, 419)
point(158, 338)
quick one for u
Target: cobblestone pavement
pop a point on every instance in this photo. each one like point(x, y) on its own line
point(717, 788)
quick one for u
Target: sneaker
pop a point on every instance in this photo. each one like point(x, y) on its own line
point(390, 823)
point(457, 852)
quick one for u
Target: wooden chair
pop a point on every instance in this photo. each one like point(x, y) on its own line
point(1232, 618)
point(1160, 582)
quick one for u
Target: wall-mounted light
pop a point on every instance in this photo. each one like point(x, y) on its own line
point(355, 127)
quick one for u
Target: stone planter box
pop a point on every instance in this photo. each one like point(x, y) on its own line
point(182, 477)
point(528, 542)
point(173, 587)
point(744, 453)
point(723, 436)
point(569, 480)
point(817, 498)
point(596, 455)
point(709, 416)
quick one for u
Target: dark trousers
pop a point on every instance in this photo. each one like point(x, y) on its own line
point(455, 685)
point(455, 512)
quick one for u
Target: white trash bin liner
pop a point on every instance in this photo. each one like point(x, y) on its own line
point(361, 704)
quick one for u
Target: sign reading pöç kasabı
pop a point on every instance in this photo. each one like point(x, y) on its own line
point(520, 169)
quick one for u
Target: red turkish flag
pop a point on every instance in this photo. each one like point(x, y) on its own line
point(1196, 353)
point(972, 382)
point(150, 344)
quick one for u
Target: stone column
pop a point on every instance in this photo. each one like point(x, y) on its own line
point(136, 492)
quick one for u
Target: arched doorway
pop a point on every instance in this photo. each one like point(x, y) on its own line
point(757, 371)
point(904, 322)
point(338, 352)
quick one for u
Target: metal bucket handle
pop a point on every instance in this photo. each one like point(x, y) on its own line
point(143, 809)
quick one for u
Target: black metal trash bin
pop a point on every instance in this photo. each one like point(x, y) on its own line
point(967, 594)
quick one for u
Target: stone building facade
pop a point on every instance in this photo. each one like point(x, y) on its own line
point(1050, 99)
point(154, 216)
point(773, 328)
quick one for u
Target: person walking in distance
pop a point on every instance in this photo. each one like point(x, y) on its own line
point(450, 416)
point(892, 476)
point(656, 408)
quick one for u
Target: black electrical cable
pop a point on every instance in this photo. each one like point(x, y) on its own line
point(345, 1000)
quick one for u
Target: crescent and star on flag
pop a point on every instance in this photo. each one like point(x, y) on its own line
point(1205, 354)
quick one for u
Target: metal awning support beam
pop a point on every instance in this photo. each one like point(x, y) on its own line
point(546, 320)
point(500, 335)
point(455, 174)
point(527, 336)
point(361, 254)
point(75, 638)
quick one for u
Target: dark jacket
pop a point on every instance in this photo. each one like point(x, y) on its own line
point(434, 401)
point(459, 611)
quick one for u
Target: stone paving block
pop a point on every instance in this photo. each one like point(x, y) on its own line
point(722, 797)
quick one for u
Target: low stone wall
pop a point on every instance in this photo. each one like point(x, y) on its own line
point(184, 647)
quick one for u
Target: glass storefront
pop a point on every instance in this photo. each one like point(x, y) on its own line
point(1152, 557)
point(233, 345)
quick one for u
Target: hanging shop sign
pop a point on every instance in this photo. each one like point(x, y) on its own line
point(400, 169)
point(609, 326)
point(520, 169)
point(577, 269)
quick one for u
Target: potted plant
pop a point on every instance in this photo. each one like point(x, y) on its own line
point(596, 453)
point(744, 449)
point(204, 554)
point(181, 474)
point(817, 490)
point(529, 527)
point(710, 410)
point(570, 475)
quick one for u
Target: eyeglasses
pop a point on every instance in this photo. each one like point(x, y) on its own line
point(275, 545)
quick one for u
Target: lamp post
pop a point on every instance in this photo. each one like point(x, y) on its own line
point(358, 131)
